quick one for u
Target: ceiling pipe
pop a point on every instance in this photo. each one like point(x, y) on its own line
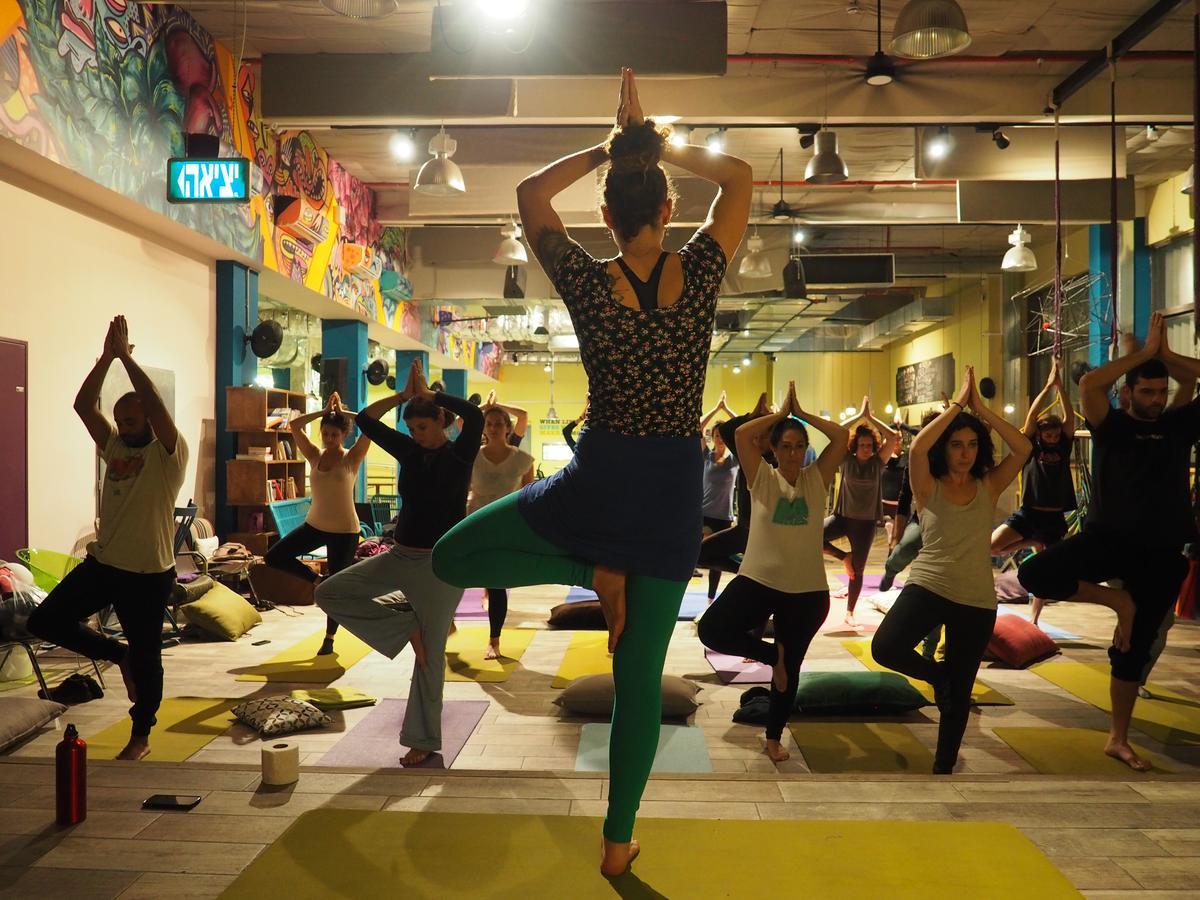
point(892, 182)
point(1021, 58)
point(1122, 47)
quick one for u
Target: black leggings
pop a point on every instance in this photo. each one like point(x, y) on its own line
point(717, 526)
point(497, 609)
point(861, 533)
point(1151, 575)
point(339, 548)
point(968, 630)
point(139, 601)
point(744, 605)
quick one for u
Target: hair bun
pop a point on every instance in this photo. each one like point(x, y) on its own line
point(636, 148)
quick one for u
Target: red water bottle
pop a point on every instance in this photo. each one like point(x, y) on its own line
point(70, 778)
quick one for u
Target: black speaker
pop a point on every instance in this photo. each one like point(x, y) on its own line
point(794, 285)
point(334, 377)
point(514, 283)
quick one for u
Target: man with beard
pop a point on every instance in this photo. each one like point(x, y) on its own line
point(1138, 521)
point(131, 563)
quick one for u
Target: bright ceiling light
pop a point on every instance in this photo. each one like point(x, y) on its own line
point(361, 9)
point(937, 147)
point(737, 370)
point(441, 176)
point(681, 136)
point(746, 361)
point(849, 411)
point(402, 146)
point(755, 263)
point(547, 368)
point(799, 237)
point(502, 10)
point(511, 251)
point(826, 166)
point(715, 142)
point(889, 409)
point(1020, 258)
point(1009, 409)
point(927, 29)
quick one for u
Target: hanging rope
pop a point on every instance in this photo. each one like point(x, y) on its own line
point(1195, 169)
point(1114, 236)
point(1058, 241)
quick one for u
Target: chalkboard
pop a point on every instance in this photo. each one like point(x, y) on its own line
point(925, 381)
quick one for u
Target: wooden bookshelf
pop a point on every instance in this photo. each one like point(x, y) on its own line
point(247, 481)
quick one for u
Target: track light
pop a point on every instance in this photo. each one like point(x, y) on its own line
point(755, 263)
point(826, 165)
point(441, 176)
point(511, 251)
point(880, 70)
point(927, 29)
point(1000, 139)
point(746, 362)
point(715, 142)
point(403, 146)
point(1152, 134)
point(1020, 258)
point(938, 147)
point(681, 136)
point(806, 140)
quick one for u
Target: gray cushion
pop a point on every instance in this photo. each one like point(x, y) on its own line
point(280, 715)
point(23, 717)
point(592, 695)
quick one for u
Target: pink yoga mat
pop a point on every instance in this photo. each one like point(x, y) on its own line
point(870, 582)
point(374, 743)
point(470, 606)
point(731, 669)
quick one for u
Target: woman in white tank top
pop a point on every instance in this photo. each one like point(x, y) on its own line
point(332, 521)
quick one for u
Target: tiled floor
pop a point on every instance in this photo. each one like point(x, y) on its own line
point(1112, 838)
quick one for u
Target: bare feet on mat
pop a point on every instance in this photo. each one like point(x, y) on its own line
point(415, 757)
point(493, 649)
point(779, 677)
point(127, 677)
point(1036, 605)
point(1124, 608)
point(1122, 751)
point(609, 585)
point(776, 751)
point(849, 620)
point(615, 859)
point(418, 645)
point(137, 748)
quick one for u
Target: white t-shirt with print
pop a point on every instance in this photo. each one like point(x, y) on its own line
point(137, 505)
point(786, 530)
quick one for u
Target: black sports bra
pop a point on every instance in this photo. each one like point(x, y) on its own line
point(647, 291)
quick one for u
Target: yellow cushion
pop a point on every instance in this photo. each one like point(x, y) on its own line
point(221, 613)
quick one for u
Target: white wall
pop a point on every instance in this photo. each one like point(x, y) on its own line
point(63, 276)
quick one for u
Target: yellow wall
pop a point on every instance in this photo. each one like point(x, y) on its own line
point(1075, 255)
point(1168, 211)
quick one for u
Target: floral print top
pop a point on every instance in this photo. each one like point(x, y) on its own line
point(645, 369)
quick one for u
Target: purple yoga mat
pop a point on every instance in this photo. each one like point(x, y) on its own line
point(731, 669)
point(470, 606)
point(374, 743)
point(870, 582)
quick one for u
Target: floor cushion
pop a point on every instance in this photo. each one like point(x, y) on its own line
point(1009, 589)
point(271, 716)
point(837, 693)
point(1017, 642)
point(592, 695)
point(221, 613)
point(582, 616)
point(23, 717)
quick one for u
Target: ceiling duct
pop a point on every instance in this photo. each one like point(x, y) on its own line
point(1005, 202)
point(913, 317)
point(848, 271)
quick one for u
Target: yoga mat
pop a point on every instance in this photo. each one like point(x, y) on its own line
point(185, 726)
point(1169, 717)
point(680, 749)
point(301, 665)
point(694, 602)
point(362, 853)
point(981, 694)
point(1071, 751)
point(374, 742)
point(731, 669)
point(870, 582)
point(465, 649)
point(470, 606)
point(587, 654)
point(831, 747)
point(1059, 634)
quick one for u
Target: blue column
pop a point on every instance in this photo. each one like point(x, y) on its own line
point(1141, 279)
point(455, 381)
point(237, 314)
point(347, 339)
point(1100, 299)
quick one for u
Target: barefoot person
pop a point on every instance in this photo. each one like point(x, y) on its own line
point(500, 468)
point(394, 598)
point(782, 573)
point(720, 471)
point(332, 521)
point(859, 504)
point(644, 322)
point(131, 563)
point(1139, 518)
point(955, 485)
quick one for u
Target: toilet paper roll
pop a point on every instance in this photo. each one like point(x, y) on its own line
point(280, 763)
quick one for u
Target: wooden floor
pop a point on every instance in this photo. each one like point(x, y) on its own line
point(1128, 837)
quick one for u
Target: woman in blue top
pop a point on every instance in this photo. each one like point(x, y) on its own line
point(644, 322)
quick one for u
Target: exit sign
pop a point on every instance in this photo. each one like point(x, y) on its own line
point(208, 180)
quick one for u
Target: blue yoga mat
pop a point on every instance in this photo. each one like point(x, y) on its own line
point(694, 602)
point(1059, 634)
point(680, 749)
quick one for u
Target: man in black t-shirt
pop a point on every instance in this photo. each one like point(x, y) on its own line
point(1138, 520)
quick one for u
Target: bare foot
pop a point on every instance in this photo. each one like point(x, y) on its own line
point(615, 859)
point(609, 585)
point(1124, 608)
point(1036, 605)
point(779, 679)
point(1122, 751)
point(415, 757)
point(776, 751)
point(849, 620)
point(418, 645)
point(137, 748)
point(493, 649)
point(127, 677)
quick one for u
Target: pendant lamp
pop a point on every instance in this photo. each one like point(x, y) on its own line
point(1020, 258)
point(361, 9)
point(1189, 180)
point(511, 251)
point(755, 263)
point(927, 29)
point(827, 165)
point(880, 68)
point(441, 176)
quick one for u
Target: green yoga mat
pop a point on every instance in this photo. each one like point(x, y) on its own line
point(186, 725)
point(1169, 717)
point(981, 694)
point(680, 749)
point(1072, 751)
point(831, 747)
point(299, 663)
point(358, 853)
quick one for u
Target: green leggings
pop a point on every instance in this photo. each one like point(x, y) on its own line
point(494, 547)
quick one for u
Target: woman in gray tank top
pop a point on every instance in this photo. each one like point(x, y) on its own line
point(955, 483)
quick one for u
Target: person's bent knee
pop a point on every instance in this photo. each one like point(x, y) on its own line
point(40, 623)
point(1132, 666)
point(1042, 576)
point(446, 561)
point(883, 652)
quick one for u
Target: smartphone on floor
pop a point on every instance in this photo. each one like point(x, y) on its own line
point(170, 801)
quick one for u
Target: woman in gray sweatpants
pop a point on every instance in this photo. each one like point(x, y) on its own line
point(393, 599)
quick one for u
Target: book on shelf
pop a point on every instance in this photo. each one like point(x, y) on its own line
point(286, 449)
point(279, 418)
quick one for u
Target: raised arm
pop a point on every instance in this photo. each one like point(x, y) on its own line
point(1064, 397)
point(547, 234)
point(1095, 385)
point(520, 417)
point(392, 440)
point(839, 437)
point(891, 437)
point(1018, 443)
point(734, 178)
point(152, 404)
point(919, 477)
point(87, 401)
point(299, 425)
point(1183, 369)
point(358, 451)
point(1040, 401)
point(748, 456)
point(708, 417)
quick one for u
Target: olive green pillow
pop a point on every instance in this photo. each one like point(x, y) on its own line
point(221, 613)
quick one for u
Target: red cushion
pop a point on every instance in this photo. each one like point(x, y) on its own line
point(1018, 642)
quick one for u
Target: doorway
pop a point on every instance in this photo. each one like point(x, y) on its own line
point(14, 450)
